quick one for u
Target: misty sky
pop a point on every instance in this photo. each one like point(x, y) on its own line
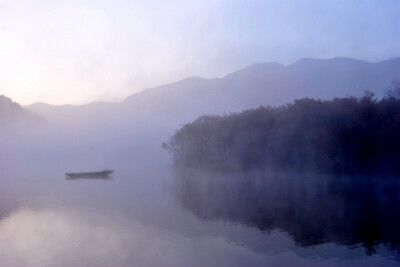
point(81, 51)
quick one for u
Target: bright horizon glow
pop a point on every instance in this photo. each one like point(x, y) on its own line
point(76, 52)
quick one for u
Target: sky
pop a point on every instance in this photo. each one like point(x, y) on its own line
point(80, 51)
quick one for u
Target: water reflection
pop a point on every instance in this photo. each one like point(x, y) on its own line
point(6, 208)
point(134, 221)
point(72, 238)
point(88, 178)
point(313, 210)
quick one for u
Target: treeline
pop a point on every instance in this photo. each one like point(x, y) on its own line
point(354, 135)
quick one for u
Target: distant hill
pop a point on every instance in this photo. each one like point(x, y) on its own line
point(261, 84)
point(268, 84)
point(12, 114)
point(63, 113)
point(136, 127)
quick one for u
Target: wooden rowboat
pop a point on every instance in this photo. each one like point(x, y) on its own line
point(104, 173)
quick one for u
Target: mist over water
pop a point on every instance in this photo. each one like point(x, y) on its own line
point(149, 213)
point(226, 133)
point(312, 209)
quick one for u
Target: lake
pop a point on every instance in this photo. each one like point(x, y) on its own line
point(154, 215)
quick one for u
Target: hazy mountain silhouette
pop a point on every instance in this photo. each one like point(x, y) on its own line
point(268, 84)
point(11, 113)
point(76, 113)
point(261, 84)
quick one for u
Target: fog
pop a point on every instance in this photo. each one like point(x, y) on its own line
point(199, 133)
point(133, 130)
point(150, 212)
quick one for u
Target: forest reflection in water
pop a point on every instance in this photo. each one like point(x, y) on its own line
point(313, 210)
point(209, 219)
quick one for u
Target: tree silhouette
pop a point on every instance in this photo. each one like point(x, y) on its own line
point(342, 135)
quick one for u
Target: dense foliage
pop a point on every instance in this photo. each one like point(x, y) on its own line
point(343, 135)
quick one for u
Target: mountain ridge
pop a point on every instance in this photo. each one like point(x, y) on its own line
point(260, 84)
point(395, 60)
point(12, 113)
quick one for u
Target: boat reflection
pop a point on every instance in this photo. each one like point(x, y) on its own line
point(89, 178)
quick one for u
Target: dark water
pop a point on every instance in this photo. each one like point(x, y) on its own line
point(147, 215)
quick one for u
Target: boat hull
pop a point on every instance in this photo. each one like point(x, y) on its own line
point(104, 173)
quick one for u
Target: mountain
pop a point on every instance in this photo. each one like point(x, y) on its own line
point(267, 84)
point(134, 129)
point(11, 113)
point(261, 84)
point(75, 113)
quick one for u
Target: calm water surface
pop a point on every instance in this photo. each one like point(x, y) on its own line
point(155, 216)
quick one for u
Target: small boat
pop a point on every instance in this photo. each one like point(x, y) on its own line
point(104, 173)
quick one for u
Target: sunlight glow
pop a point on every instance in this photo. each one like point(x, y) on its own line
point(77, 52)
